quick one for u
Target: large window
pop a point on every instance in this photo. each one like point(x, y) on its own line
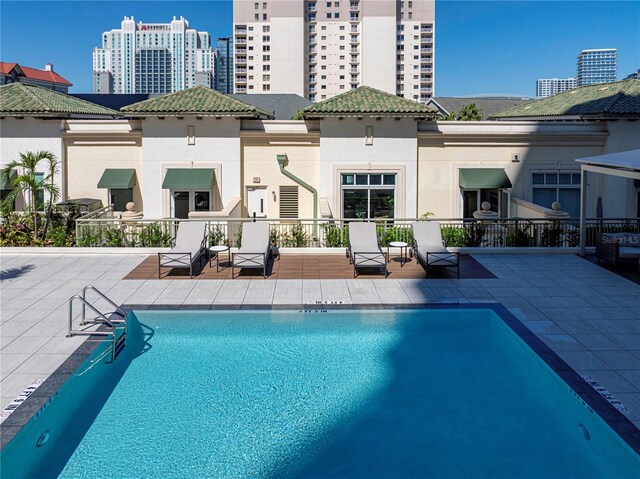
point(186, 201)
point(119, 197)
point(561, 187)
point(368, 195)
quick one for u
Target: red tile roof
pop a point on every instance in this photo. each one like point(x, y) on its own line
point(6, 67)
point(34, 73)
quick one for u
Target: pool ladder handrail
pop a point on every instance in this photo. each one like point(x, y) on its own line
point(105, 318)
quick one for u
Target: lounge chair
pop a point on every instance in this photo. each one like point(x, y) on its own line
point(255, 250)
point(188, 246)
point(364, 250)
point(429, 248)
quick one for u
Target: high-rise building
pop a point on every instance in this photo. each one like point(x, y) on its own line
point(223, 77)
point(318, 49)
point(597, 66)
point(635, 75)
point(152, 58)
point(553, 86)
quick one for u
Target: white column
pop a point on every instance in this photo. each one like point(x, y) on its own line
point(583, 211)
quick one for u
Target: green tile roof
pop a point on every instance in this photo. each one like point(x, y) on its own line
point(369, 101)
point(612, 100)
point(17, 99)
point(200, 100)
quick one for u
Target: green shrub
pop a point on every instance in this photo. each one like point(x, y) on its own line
point(152, 236)
point(518, 238)
point(295, 237)
point(453, 236)
point(336, 236)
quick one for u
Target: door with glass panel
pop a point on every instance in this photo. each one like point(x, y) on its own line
point(368, 195)
point(257, 202)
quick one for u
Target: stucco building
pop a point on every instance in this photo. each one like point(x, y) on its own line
point(363, 154)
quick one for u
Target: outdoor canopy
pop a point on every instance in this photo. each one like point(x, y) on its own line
point(118, 178)
point(481, 178)
point(188, 179)
point(623, 163)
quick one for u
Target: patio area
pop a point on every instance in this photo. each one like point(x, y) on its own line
point(310, 266)
point(589, 316)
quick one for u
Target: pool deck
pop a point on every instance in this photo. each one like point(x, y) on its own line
point(589, 316)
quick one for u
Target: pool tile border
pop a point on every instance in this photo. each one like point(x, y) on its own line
point(583, 390)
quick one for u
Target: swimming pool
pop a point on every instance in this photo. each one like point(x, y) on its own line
point(288, 394)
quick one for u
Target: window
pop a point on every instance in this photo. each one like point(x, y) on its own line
point(120, 197)
point(266, 58)
point(561, 187)
point(289, 202)
point(336, 15)
point(39, 191)
point(368, 195)
point(185, 201)
point(266, 38)
point(256, 5)
point(266, 87)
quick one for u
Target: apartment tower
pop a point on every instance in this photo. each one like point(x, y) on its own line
point(552, 86)
point(597, 66)
point(152, 58)
point(318, 49)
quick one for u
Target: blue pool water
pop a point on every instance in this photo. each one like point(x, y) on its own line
point(404, 393)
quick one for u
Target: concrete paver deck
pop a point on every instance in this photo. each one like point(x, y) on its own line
point(589, 316)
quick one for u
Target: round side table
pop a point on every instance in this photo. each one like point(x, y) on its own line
point(404, 247)
point(216, 250)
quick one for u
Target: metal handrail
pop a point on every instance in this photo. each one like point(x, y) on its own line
point(118, 310)
point(101, 318)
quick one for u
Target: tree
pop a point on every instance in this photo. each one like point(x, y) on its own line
point(299, 115)
point(448, 117)
point(53, 190)
point(28, 183)
point(470, 113)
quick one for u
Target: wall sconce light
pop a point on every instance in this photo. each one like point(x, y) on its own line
point(368, 135)
point(275, 198)
point(515, 159)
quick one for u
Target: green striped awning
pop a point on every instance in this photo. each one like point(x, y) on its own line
point(5, 180)
point(118, 178)
point(188, 179)
point(489, 178)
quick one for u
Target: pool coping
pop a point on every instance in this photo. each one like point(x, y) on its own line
point(589, 397)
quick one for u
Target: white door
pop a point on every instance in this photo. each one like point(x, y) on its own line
point(257, 202)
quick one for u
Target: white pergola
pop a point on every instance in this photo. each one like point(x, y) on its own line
point(624, 163)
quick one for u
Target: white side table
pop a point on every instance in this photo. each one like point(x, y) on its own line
point(216, 250)
point(404, 247)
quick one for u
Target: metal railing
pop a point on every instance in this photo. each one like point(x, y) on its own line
point(102, 318)
point(304, 233)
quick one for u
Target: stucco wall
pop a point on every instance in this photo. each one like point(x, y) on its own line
point(86, 164)
point(164, 145)
point(260, 162)
point(30, 134)
point(448, 146)
point(394, 150)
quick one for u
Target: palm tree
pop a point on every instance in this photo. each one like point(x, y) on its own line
point(28, 183)
point(54, 193)
point(470, 112)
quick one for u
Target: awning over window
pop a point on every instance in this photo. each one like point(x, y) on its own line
point(118, 178)
point(484, 178)
point(188, 179)
point(5, 180)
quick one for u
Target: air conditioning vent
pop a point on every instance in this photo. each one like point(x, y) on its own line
point(289, 202)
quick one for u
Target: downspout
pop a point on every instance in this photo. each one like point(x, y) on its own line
point(282, 161)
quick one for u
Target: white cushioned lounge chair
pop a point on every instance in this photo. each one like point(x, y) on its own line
point(364, 250)
point(429, 248)
point(254, 252)
point(188, 246)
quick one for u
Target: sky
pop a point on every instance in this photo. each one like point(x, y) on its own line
point(482, 47)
